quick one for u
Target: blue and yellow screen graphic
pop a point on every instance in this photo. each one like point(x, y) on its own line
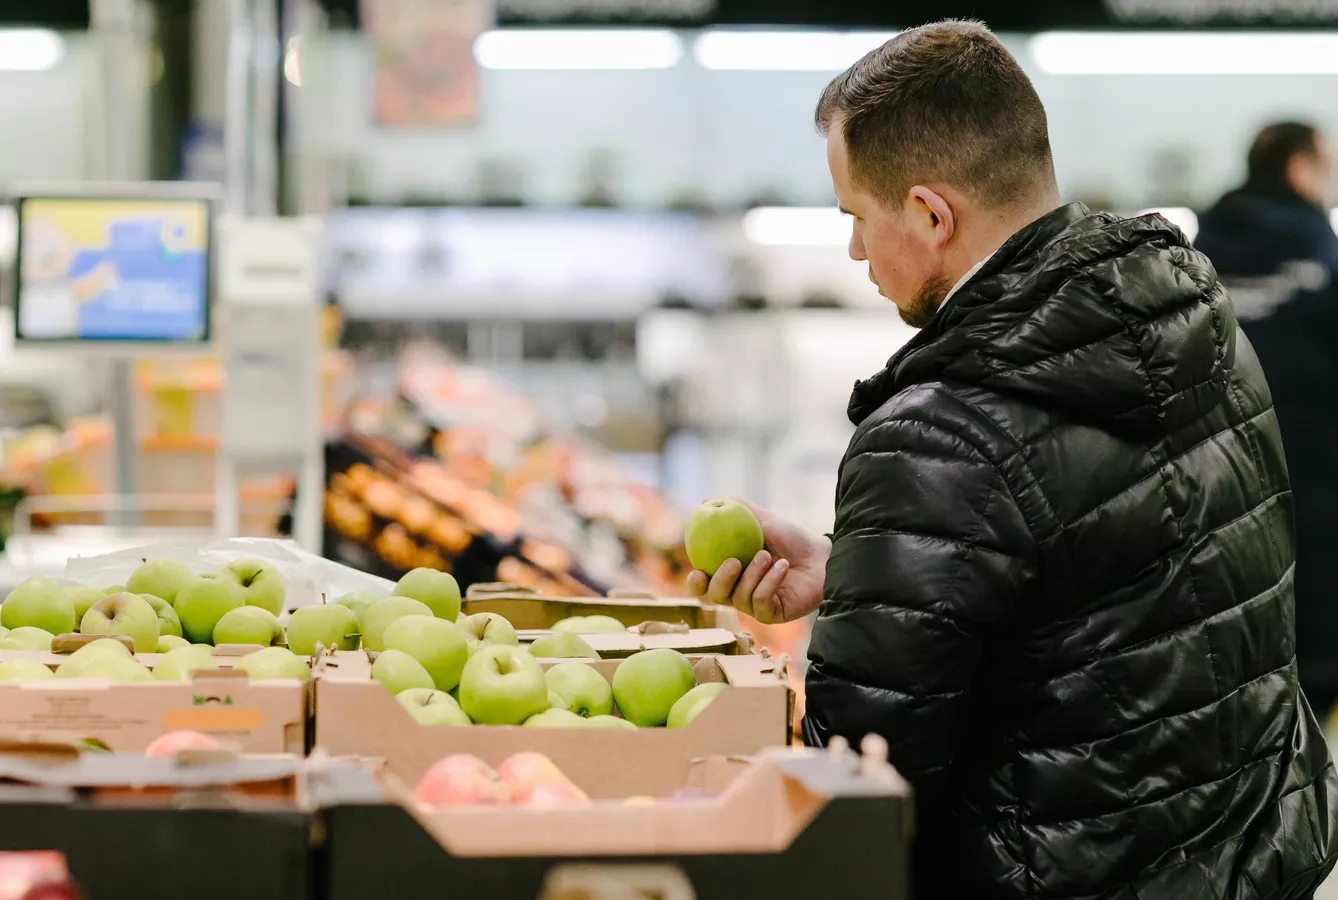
point(107, 270)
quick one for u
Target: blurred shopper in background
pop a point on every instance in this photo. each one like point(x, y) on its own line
point(1276, 250)
point(1059, 583)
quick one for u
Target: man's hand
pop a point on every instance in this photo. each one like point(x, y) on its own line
point(781, 584)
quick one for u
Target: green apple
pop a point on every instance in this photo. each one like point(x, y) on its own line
point(330, 625)
point(83, 598)
point(588, 625)
point(202, 601)
point(358, 601)
point(168, 621)
point(248, 625)
point(38, 603)
point(169, 642)
point(24, 670)
point(486, 629)
point(646, 685)
point(101, 647)
point(693, 702)
point(128, 614)
point(502, 685)
point(555, 718)
point(563, 646)
point(582, 690)
point(110, 667)
point(3, 631)
point(381, 613)
point(274, 663)
point(608, 722)
point(719, 530)
point(438, 590)
point(115, 589)
point(178, 663)
point(398, 671)
point(434, 642)
point(26, 638)
point(260, 582)
point(163, 578)
point(429, 707)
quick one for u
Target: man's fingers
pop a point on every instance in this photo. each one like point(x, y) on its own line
point(766, 606)
point(698, 583)
point(752, 576)
point(723, 581)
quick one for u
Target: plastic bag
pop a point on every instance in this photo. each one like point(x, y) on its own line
point(306, 575)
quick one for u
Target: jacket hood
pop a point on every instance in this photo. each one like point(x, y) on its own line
point(1119, 323)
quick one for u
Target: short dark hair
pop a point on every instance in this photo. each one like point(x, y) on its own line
point(944, 102)
point(1273, 150)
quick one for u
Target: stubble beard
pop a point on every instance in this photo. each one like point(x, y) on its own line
point(922, 308)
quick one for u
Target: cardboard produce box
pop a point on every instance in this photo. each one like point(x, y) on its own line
point(161, 829)
point(682, 624)
point(356, 716)
point(790, 824)
point(257, 717)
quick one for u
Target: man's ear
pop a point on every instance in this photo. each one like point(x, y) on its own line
point(931, 216)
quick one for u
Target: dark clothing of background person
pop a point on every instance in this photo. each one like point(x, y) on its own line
point(1278, 255)
point(1060, 586)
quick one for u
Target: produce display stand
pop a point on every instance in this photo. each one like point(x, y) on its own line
point(209, 830)
point(356, 716)
point(799, 824)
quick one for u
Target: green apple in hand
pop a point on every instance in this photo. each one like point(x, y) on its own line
point(358, 601)
point(486, 629)
point(582, 690)
point(261, 583)
point(693, 702)
point(169, 642)
point(163, 578)
point(38, 603)
point(330, 625)
point(168, 622)
point(502, 685)
point(646, 685)
point(381, 613)
point(719, 530)
point(274, 663)
point(562, 646)
point(608, 722)
point(398, 671)
point(128, 614)
point(26, 638)
point(247, 625)
point(429, 707)
point(177, 664)
point(202, 601)
point(83, 598)
point(555, 718)
point(438, 590)
point(434, 642)
point(24, 670)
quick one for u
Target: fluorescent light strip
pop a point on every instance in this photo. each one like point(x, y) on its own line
point(30, 49)
point(1333, 219)
point(785, 51)
point(796, 226)
point(1192, 53)
point(578, 49)
point(1181, 217)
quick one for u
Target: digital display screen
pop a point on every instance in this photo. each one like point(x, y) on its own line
point(113, 269)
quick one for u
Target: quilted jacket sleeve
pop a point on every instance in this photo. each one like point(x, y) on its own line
point(930, 553)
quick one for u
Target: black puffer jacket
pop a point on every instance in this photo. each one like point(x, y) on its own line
point(1060, 586)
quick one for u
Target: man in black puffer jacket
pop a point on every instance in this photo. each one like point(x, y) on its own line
point(1060, 581)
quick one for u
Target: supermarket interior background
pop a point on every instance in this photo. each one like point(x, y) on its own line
point(569, 267)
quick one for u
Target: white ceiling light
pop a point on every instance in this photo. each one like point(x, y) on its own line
point(578, 49)
point(1181, 217)
point(796, 226)
point(30, 49)
point(1333, 218)
point(292, 61)
point(793, 51)
point(1186, 53)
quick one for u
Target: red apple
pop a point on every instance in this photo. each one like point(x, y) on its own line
point(174, 742)
point(523, 772)
point(461, 780)
point(550, 794)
